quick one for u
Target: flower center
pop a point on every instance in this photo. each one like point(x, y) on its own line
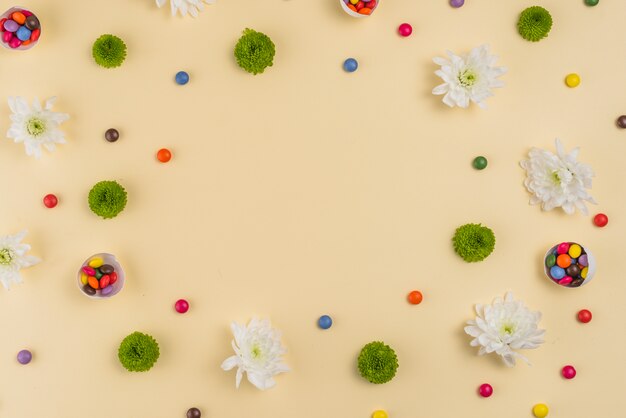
point(35, 127)
point(467, 77)
point(508, 329)
point(256, 352)
point(555, 177)
point(6, 256)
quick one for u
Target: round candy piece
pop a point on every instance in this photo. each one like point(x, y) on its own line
point(583, 260)
point(563, 261)
point(32, 22)
point(24, 357)
point(7, 36)
point(592, 2)
point(568, 372)
point(194, 413)
point(35, 35)
point(11, 25)
point(621, 121)
point(164, 155)
point(485, 390)
point(354, 1)
point(365, 11)
point(574, 251)
point(557, 272)
point(111, 135)
point(181, 306)
point(89, 290)
point(584, 316)
point(380, 414)
point(550, 260)
point(15, 42)
point(181, 78)
point(50, 201)
point(562, 248)
point(540, 410)
point(600, 220)
point(325, 322)
point(113, 277)
point(18, 17)
point(23, 33)
point(405, 30)
point(106, 291)
point(583, 272)
point(572, 80)
point(415, 297)
point(573, 270)
point(350, 65)
point(457, 3)
point(479, 163)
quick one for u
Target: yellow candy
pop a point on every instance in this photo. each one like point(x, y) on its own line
point(83, 278)
point(354, 1)
point(540, 410)
point(583, 272)
point(575, 251)
point(96, 262)
point(380, 414)
point(572, 80)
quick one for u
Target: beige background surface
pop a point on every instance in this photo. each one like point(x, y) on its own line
point(305, 191)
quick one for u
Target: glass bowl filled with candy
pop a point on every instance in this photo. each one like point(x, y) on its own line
point(569, 264)
point(101, 276)
point(359, 8)
point(20, 29)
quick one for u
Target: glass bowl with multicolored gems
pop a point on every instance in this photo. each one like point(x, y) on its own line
point(101, 276)
point(360, 8)
point(20, 29)
point(569, 264)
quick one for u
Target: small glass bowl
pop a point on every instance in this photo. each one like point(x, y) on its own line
point(6, 15)
point(116, 287)
point(573, 280)
point(344, 6)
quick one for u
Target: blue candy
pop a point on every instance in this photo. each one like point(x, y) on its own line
point(325, 322)
point(23, 33)
point(350, 65)
point(182, 78)
point(557, 272)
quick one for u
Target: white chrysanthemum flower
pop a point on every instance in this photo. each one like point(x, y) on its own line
point(258, 353)
point(558, 180)
point(13, 258)
point(186, 6)
point(468, 77)
point(36, 126)
point(503, 327)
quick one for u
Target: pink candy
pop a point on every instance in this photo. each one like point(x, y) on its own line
point(562, 248)
point(89, 271)
point(14, 43)
point(565, 280)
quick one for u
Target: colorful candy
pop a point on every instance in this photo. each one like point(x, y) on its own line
point(21, 28)
point(164, 155)
point(350, 65)
point(415, 297)
point(567, 264)
point(50, 200)
point(584, 316)
point(457, 3)
point(572, 80)
point(479, 163)
point(485, 390)
point(405, 30)
point(592, 2)
point(600, 220)
point(194, 413)
point(95, 262)
point(568, 372)
point(325, 322)
point(380, 414)
point(111, 135)
point(540, 410)
point(98, 278)
point(24, 357)
point(181, 306)
point(181, 78)
point(621, 122)
point(563, 260)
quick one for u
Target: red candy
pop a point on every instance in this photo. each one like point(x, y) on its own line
point(359, 5)
point(181, 306)
point(27, 13)
point(50, 201)
point(164, 155)
point(485, 390)
point(35, 35)
point(584, 316)
point(405, 29)
point(2, 24)
point(568, 372)
point(113, 277)
point(600, 220)
point(371, 4)
point(105, 281)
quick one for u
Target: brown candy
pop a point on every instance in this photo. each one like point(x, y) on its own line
point(32, 22)
point(111, 135)
point(193, 413)
point(621, 121)
point(106, 269)
point(573, 271)
point(89, 290)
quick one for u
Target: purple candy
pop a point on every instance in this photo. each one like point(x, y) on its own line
point(457, 3)
point(24, 357)
point(11, 25)
point(107, 290)
point(582, 260)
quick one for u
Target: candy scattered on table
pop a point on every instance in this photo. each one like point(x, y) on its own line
point(50, 201)
point(415, 297)
point(479, 163)
point(350, 65)
point(592, 2)
point(600, 220)
point(24, 357)
point(621, 121)
point(584, 316)
point(164, 155)
point(194, 413)
point(111, 135)
point(181, 306)
point(540, 410)
point(181, 78)
point(457, 3)
point(567, 264)
point(98, 277)
point(325, 322)
point(485, 390)
point(572, 80)
point(405, 30)
point(380, 414)
point(21, 28)
point(568, 372)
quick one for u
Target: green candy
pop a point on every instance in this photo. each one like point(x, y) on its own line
point(99, 274)
point(479, 163)
point(550, 260)
point(592, 2)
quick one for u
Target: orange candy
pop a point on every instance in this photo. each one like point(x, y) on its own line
point(415, 297)
point(365, 11)
point(93, 282)
point(18, 17)
point(351, 7)
point(164, 155)
point(26, 42)
point(563, 261)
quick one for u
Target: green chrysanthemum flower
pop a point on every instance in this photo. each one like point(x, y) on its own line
point(109, 51)
point(377, 362)
point(534, 23)
point(107, 199)
point(474, 242)
point(254, 51)
point(138, 352)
